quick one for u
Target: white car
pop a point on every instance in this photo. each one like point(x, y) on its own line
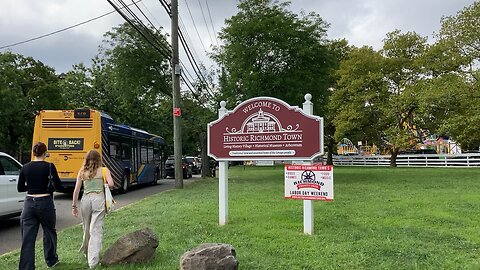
point(11, 201)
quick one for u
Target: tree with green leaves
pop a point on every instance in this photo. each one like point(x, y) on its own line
point(139, 83)
point(133, 76)
point(340, 50)
point(131, 80)
point(26, 86)
point(270, 51)
point(451, 104)
point(128, 79)
point(403, 75)
point(377, 93)
point(358, 99)
point(77, 89)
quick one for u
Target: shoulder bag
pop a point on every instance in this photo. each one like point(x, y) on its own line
point(51, 184)
point(109, 201)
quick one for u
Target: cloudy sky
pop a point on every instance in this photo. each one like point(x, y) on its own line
point(361, 22)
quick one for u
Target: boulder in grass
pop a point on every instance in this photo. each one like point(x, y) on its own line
point(211, 256)
point(135, 247)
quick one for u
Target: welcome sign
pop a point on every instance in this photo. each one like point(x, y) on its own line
point(265, 128)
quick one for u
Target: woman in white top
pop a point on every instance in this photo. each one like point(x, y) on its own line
point(92, 205)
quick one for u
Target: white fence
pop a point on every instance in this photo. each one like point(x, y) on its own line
point(430, 160)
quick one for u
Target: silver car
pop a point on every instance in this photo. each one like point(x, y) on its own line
point(11, 201)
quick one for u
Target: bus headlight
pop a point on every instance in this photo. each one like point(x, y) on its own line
point(96, 145)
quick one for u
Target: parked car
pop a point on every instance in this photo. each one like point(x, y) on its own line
point(170, 168)
point(196, 164)
point(11, 201)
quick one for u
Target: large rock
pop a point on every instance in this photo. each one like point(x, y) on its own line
point(210, 256)
point(135, 247)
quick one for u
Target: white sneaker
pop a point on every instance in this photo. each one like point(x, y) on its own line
point(55, 264)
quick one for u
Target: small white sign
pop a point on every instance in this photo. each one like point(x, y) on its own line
point(264, 163)
point(309, 182)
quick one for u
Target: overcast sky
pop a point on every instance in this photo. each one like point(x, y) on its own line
point(361, 22)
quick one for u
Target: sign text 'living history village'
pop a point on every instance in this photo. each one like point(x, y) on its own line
point(265, 128)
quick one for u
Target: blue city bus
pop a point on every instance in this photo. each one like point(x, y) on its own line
point(134, 156)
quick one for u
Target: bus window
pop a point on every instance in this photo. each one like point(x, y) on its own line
point(114, 150)
point(134, 156)
point(126, 151)
point(150, 152)
point(157, 153)
point(143, 152)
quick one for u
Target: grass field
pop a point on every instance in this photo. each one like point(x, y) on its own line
point(381, 218)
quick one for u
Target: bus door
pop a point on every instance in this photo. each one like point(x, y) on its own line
point(135, 147)
point(157, 159)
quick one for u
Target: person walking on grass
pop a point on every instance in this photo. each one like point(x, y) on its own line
point(92, 205)
point(38, 208)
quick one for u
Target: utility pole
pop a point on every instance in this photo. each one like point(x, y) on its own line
point(176, 71)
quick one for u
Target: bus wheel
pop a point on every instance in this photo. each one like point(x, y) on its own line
point(125, 184)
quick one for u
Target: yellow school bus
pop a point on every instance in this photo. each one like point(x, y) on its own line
point(133, 155)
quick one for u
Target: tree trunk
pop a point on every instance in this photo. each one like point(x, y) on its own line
point(203, 154)
point(330, 145)
point(393, 158)
point(330, 130)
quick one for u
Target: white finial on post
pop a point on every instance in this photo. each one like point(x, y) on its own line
point(308, 105)
point(222, 109)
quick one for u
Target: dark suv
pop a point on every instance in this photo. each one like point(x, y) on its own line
point(170, 168)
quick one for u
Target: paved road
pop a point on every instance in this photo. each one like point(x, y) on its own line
point(10, 229)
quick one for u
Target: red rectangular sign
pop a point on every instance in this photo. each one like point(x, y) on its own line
point(177, 112)
point(265, 128)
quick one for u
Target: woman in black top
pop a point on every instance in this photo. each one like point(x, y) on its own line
point(38, 208)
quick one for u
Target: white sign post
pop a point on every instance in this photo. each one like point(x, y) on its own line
point(222, 180)
point(308, 204)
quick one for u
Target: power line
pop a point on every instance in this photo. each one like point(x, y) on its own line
point(166, 6)
point(211, 22)
point(181, 25)
point(153, 26)
point(61, 30)
point(195, 26)
point(194, 64)
point(184, 29)
point(158, 23)
point(141, 29)
point(186, 70)
point(192, 60)
point(168, 93)
point(162, 44)
point(191, 88)
point(205, 21)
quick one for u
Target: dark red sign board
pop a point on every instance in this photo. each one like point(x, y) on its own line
point(177, 112)
point(265, 128)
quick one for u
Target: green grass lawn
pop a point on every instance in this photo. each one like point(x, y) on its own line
point(381, 218)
